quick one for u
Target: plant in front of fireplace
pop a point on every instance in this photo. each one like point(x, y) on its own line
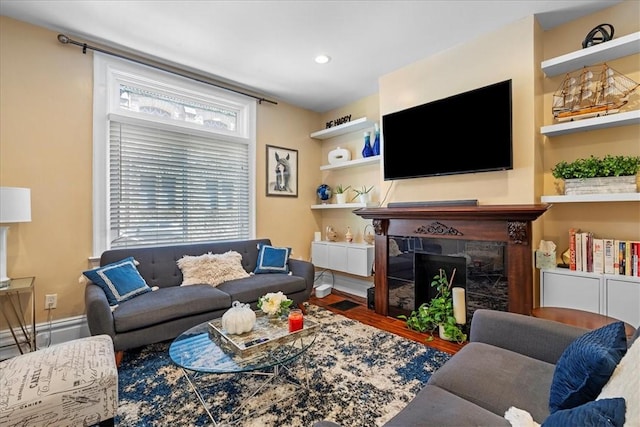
point(437, 313)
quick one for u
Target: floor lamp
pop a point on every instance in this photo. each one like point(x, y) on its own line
point(15, 206)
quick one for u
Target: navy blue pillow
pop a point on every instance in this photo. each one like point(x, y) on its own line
point(120, 280)
point(272, 259)
point(586, 365)
point(599, 413)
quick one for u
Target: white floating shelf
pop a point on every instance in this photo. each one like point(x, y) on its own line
point(352, 126)
point(616, 48)
point(352, 163)
point(344, 205)
point(608, 197)
point(593, 123)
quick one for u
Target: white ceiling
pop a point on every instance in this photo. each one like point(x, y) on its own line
point(268, 47)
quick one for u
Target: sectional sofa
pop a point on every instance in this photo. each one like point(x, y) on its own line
point(167, 308)
point(506, 376)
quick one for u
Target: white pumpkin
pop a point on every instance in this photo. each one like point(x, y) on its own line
point(239, 318)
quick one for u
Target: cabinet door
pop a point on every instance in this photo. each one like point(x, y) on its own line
point(623, 300)
point(570, 291)
point(359, 261)
point(320, 254)
point(338, 257)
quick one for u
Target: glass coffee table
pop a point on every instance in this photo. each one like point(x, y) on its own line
point(268, 351)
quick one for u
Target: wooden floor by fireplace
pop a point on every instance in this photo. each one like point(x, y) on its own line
point(361, 313)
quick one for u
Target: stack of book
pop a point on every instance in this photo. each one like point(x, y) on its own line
point(603, 255)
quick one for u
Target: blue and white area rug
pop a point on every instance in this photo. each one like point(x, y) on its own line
point(359, 376)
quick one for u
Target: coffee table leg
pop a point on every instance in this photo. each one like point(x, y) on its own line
point(200, 398)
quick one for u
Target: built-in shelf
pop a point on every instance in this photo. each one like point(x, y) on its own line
point(352, 163)
point(352, 126)
point(616, 48)
point(593, 123)
point(344, 205)
point(607, 197)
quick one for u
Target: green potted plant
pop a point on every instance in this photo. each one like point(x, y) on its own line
point(437, 313)
point(363, 194)
point(598, 175)
point(341, 193)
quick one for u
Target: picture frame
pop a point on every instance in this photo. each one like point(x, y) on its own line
point(282, 172)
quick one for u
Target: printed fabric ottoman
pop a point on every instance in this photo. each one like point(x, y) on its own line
point(69, 384)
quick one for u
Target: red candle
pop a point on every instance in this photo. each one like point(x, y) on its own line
point(296, 320)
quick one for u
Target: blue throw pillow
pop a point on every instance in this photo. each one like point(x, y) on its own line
point(586, 365)
point(120, 280)
point(604, 412)
point(272, 259)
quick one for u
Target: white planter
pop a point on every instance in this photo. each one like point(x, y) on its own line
point(341, 198)
point(364, 198)
point(612, 184)
point(442, 334)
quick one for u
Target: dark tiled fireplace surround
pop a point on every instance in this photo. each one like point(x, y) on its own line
point(490, 247)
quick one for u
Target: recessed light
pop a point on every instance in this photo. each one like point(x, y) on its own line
point(323, 59)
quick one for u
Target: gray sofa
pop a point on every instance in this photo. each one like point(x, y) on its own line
point(509, 361)
point(164, 314)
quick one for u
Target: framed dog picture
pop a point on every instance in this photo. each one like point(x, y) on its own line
point(282, 172)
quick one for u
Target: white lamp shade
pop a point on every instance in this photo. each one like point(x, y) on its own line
point(15, 204)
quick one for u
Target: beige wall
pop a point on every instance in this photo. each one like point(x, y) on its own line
point(619, 220)
point(46, 145)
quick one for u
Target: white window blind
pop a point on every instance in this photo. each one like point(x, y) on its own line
point(170, 187)
point(174, 159)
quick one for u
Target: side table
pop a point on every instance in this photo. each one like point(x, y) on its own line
point(24, 332)
point(579, 318)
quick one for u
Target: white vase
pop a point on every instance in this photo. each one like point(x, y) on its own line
point(442, 334)
point(364, 198)
point(341, 198)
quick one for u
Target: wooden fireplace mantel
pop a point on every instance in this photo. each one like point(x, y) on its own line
point(498, 223)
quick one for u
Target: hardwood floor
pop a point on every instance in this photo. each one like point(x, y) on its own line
point(369, 317)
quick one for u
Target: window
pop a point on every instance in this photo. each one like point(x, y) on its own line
point(174, 159)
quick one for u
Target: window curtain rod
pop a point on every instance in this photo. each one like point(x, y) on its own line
point(66, 40)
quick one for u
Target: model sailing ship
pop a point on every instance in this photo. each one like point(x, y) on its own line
point(593, 91)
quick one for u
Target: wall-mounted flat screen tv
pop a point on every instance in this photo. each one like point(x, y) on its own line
point(464, 133)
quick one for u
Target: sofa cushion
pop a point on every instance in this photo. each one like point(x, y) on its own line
point(250, 289)
point(272, 259)
point(211, 269)
point(167, 304)
point(495, 379)
point(120, 280)
point(586, 365)
point(605, 412)
point(434, 406)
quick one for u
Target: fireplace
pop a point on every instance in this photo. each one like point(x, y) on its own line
point(480, 269)
point(495, 242)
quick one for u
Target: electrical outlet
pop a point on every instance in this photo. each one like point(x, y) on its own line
point(50, 301)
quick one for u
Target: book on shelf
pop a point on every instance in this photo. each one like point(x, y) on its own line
point(622, 259)
point(597, 251)
point(587, 251)
point(635, 258)
point(579, 251)
point(572, 248)
point(609, 256)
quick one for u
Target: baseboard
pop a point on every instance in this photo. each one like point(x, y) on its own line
point(342, 283)
point(58, 331)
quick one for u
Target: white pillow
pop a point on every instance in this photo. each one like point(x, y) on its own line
point(520, 418)
point(394, 250)
point(211, 269)
point(625, 382)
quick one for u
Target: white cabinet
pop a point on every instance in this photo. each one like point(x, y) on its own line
point(611, 295)
point(352, 258)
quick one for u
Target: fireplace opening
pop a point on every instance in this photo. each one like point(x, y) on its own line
point(427, 266)
point(481, 269)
